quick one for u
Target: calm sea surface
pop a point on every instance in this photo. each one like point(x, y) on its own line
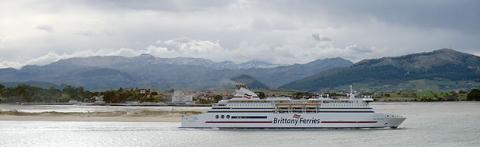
point(428, 124)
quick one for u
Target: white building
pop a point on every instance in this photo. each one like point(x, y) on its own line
point(179, 97)
point(99, 100)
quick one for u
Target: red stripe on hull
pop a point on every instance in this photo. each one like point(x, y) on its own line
point(271, 122)
point(349, 121)
point(238, 122)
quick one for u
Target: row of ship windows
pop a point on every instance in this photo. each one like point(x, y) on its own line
point(296, 111)
point(270, 103)
point(340, 101)
point(249, 104)
point(238, 117)
point(344, 104)
point(331, 104)
point(222, 116)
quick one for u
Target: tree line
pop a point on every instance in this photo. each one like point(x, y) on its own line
point(27, 93)
point(31, 94)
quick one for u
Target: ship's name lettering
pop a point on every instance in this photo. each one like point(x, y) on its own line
point(295, 121)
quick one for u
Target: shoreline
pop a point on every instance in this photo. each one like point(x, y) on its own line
point(121, 113)
point(114, 116)
point(86, 119)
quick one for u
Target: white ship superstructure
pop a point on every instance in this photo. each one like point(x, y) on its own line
point(246, 110)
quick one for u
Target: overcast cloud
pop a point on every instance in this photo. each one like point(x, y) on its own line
point(284, 32)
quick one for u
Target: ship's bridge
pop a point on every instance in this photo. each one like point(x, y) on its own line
point(245, 94)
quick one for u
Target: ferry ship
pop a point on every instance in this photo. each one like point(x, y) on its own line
point(246, 111)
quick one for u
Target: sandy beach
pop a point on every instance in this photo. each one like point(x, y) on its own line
point(95, 113)
point(91, 118)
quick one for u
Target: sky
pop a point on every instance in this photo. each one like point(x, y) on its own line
point(39, 32)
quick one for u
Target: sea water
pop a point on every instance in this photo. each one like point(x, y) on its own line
point(428, 124)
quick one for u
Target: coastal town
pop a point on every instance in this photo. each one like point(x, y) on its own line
point(70, 95)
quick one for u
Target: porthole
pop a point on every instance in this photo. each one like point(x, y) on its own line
point(223, 116)
point(216, 116)
point(228, 116)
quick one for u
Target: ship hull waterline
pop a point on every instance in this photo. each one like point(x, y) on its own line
point(320, 120)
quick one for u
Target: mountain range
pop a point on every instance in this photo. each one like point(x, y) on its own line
point(146, 71)
point(443, 69)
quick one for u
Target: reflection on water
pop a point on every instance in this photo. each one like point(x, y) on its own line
point(428, 124)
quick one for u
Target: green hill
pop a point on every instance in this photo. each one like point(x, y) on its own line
point(444, 69)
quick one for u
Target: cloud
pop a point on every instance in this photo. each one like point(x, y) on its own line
point(167, 49)
point(285, 53)
point(8, 64)
point(317, 37)
point(184, 47)
point(360, 49)
point(284, 32)
point(45, 28)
